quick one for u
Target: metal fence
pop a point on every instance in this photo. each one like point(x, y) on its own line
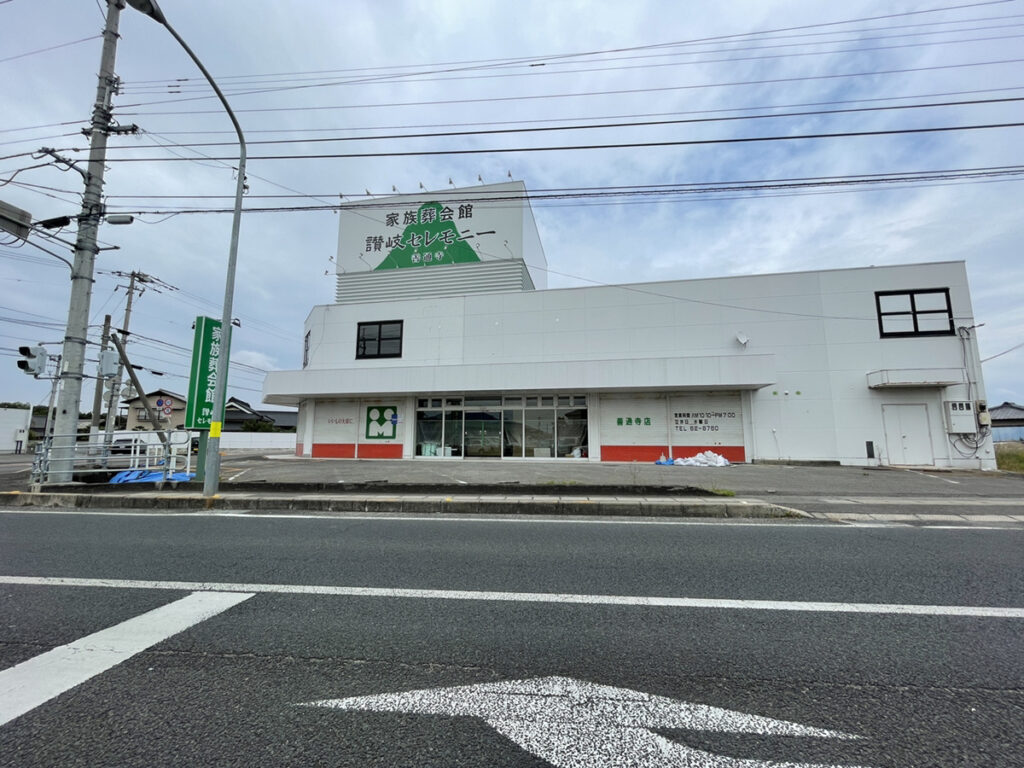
point(125, 457)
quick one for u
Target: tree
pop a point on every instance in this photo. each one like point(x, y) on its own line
point(19, 406)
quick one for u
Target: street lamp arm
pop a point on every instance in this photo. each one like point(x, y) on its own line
point(212, 478)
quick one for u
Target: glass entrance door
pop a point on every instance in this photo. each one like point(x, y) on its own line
point(483, 433)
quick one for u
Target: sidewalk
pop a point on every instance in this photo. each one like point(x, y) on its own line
point(284, 484)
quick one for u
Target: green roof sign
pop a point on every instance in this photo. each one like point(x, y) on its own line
point(430, 237)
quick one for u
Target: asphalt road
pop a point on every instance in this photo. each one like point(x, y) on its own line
point(565, 624)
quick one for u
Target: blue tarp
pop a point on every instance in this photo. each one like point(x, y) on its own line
point(150, 476)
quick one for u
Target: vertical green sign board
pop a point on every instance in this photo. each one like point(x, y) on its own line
point(202, 381)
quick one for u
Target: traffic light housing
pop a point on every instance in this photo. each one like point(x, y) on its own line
point(34, 362)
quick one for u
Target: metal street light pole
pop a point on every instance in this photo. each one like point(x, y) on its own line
point(212, 480)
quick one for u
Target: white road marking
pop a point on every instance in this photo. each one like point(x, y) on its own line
point(933, 477)
point(820, 517)
point(994, 612)
point(571, 723)
point(34, 682)
point(235, 477)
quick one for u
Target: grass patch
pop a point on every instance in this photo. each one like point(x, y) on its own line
point(1010, 456)
point(723, 492)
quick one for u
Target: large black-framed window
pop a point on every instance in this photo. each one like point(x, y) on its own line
point(921, 312)
point(379, 339)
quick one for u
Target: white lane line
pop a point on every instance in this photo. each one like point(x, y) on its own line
point(528, 597)
point(818, 521)
point(933, 477)
point(34, 682)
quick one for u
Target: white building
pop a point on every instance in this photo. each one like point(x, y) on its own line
point(442, 353)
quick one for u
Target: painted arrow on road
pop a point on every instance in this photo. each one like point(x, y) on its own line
point(571, 723)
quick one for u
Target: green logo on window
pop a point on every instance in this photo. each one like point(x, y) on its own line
point(381, 422)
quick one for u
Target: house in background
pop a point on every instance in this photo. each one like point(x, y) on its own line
point(169, 408)
point(1007, 422)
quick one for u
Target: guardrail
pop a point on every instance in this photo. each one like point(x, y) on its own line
point(97, 459)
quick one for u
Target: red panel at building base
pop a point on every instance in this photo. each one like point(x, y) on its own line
point(334, 450)
point(384, 451)
point(733, 453)
point(298, 449)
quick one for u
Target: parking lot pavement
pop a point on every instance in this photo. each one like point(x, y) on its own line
point(281, 482)
point(788, 481)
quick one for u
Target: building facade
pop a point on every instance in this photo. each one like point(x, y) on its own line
point(470, 359)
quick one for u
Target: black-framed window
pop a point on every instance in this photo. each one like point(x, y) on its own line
point(380, 339)
point(305, 350)
point(924, 312)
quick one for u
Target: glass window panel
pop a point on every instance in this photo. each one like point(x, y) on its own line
point(453, 433)
point(453, 401)
point(899, 302)
point(513, 401)
point(512, 432)
point(539, 438)
point(531, 401)
point(478, 401)
point(564, 400)
point(937, 322)
point(435, 403)
point(897, 324)
point(932, 301)
point(571, 427)
point(547, 401)
point(422, 403)
point(379, 339)
point(483, 433)
point(428, 433)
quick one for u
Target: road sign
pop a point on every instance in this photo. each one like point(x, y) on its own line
point(206, 349)
point(571, 723)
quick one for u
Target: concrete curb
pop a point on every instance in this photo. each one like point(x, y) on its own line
point(639, 506)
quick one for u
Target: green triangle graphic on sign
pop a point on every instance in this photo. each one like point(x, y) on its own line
point(434, 239)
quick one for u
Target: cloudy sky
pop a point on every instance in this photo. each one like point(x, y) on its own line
point(318, 77)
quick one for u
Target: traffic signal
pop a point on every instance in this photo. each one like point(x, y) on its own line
point(34, 362)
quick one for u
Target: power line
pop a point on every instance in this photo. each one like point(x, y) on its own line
point(51, 48)
point(755, 35)
point(534, 97)
point(590, 67)
point(1004, 352)
point(600, 126)
point(574, 147)
point(619, 195)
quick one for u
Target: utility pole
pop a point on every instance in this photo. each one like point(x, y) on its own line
point(97, 398)
point(75, 336)
point(112, 401)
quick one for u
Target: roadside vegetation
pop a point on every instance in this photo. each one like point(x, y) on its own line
point(1010, 456)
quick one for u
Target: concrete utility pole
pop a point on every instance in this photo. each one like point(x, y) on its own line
point(75, 336)
point(112, 400)
point(97, 399)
